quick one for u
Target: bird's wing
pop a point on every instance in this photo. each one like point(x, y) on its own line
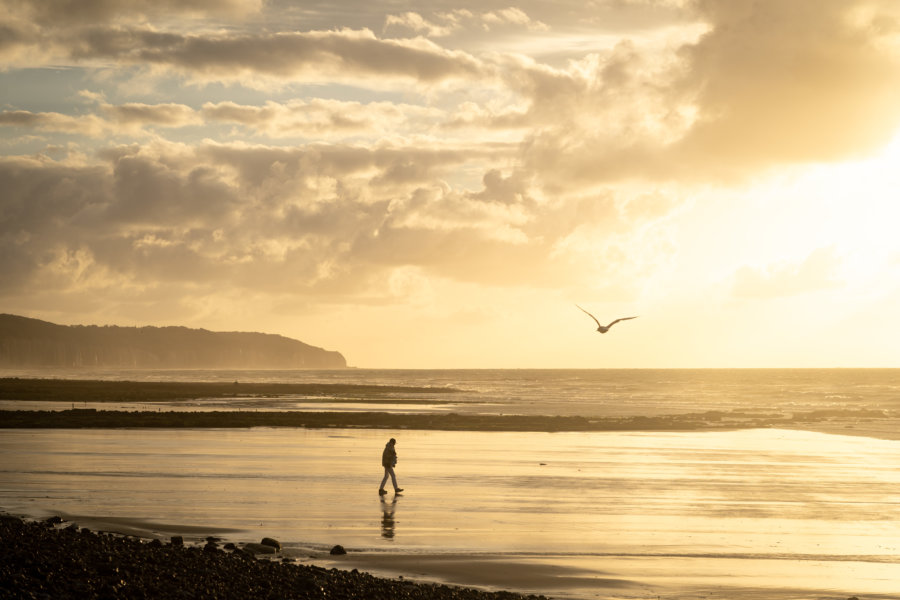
point(591, 316)
point(622, 319)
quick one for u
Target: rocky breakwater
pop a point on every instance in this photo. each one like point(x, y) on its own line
point(50, 560)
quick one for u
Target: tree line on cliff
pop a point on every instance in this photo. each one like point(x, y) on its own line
point(30, 343)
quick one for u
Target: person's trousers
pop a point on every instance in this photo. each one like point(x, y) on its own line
point(389, 471)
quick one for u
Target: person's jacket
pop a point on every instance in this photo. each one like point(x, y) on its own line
point(389, 456)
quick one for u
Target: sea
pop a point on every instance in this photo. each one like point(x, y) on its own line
point(763, 513)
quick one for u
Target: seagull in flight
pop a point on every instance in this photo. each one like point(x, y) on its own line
point(604, 328)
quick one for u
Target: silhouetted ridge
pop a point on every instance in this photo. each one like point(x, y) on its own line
point(28, 342)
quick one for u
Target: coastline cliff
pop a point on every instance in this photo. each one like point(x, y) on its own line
point(26, 342)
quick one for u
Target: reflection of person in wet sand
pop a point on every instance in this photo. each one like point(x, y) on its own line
point(388, 460)
point(387, 519)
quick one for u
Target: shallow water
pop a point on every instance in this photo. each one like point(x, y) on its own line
point(585, 392)
point(667, 513)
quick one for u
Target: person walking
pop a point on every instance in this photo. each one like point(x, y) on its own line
point(388, 460)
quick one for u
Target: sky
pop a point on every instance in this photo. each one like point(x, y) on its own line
point(439, 184)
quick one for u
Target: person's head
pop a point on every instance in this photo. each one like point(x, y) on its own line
point(392, 441)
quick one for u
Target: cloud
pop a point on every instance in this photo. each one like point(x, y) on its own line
point(326, 118)
point(818, 271)
point(319, 118)
point(10, 39)
point(768, 84)
point(511, 16)
point(120, 119)
point(88, 125)
point(167, 115)
point(446, 23)
point(333, 55)
point(63, 13)
point(777, 82)
point(321, 220)
point(418, 24)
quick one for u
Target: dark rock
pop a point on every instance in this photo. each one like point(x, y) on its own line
point(259, 549)
point(270, 542)
point(177, 540)
point(230, 546)
point(72, 527)
point(338, 550)
point(244, 555)
point(155, 543)
point(213, 539)
point(211, 547)
point(41, 562)
point(54, 521)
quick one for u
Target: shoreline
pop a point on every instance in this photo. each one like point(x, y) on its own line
point(95, 390)
point(56, 558)
point(52, 559)
point(858, 423)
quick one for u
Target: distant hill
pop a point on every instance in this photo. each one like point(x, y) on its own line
point(28, 342)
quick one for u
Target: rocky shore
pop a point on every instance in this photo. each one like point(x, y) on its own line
point(48, 560)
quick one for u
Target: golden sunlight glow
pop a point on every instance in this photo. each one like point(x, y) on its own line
point(439, 188)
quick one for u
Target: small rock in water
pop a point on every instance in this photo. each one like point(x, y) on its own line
point(54, 521)
point(338, 550)
point(177, 540)
point(270, 542)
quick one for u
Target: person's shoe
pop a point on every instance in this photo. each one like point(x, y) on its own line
point(381, 492)
point(398, 490)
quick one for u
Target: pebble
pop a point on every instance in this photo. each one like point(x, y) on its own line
point(37, 561)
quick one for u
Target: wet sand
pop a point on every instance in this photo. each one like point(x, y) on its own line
point(558, 575)
point(720, 515)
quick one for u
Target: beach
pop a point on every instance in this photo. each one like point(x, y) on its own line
point(42, 560)
point(717, 511)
